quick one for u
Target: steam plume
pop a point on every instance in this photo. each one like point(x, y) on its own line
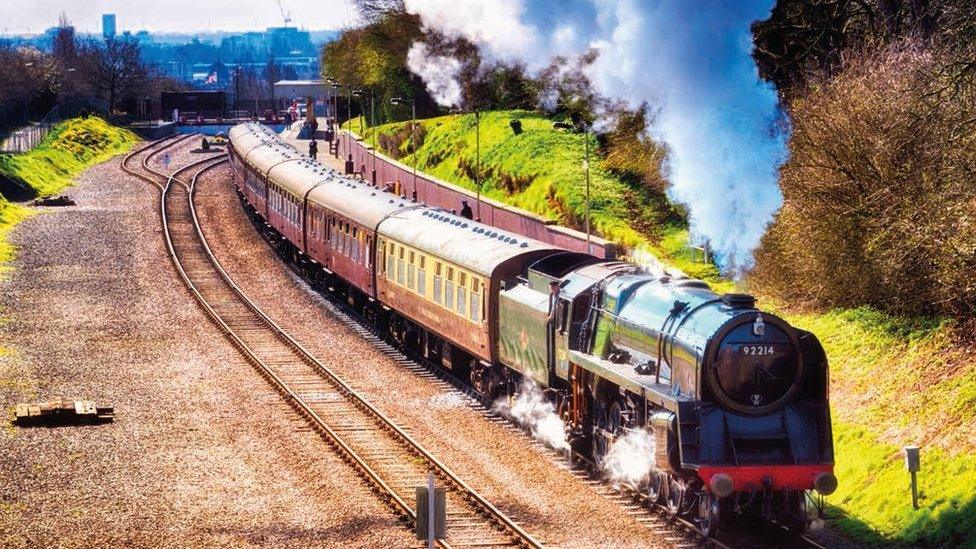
point(532, 411)
point(690, 59)
point(439, 73)
point(630, 457)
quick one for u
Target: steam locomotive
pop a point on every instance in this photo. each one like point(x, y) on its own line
point(736, 399)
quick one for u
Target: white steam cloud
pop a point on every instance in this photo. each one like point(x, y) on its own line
point(532, 411)
point(630, 457)
point(439, 73)
point(690, 60)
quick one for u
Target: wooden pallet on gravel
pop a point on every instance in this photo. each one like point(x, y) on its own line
point(62, 412)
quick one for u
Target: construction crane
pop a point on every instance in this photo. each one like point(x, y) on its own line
point(285, 16)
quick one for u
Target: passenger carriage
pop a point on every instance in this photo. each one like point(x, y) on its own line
point(444, 273)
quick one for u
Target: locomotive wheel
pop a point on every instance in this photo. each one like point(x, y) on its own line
point(793, 512)
point(709, 514)
point(654, 487)
point(598, 443)
point(606, 427)
point(675, 496)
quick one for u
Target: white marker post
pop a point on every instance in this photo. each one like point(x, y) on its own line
point(913, 463)
point(431, 507)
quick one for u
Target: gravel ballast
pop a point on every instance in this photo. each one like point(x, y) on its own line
point(202, 451)
point(550, 502)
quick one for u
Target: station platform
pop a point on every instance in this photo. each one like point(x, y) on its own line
point(290, 135)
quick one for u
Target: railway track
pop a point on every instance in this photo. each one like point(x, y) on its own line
point(384, 454)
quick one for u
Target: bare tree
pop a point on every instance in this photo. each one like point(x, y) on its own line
point(272, 74)
point(114, 68)
point(28, 84)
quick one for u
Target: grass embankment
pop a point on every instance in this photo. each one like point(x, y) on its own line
point(898, 381)
point(71, 148)
point(541, 170)
point(894, 381)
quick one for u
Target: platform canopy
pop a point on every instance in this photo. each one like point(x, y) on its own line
point(301, 88)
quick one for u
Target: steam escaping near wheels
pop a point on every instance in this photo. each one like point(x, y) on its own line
point(630, 457)
point(533, 411)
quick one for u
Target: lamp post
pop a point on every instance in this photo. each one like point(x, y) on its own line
point(372, 123)
point(586, 170)
point(477, 162)
point(237, 92)
point(349, 118)
point(413, 133)
point(335, 97)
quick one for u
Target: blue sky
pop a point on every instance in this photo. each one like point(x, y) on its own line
point(21, 16)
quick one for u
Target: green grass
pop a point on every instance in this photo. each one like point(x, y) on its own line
point(541, 170)
point(899, 381)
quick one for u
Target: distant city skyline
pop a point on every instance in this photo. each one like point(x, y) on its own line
point(34, 16)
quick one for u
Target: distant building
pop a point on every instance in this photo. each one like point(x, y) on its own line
point(108, 25)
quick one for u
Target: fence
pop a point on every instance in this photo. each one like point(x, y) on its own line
point(25, 139)
point(429, 190)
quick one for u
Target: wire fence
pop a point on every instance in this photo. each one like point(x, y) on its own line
point(26, 138)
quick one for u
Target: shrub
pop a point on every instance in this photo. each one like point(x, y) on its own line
point(878, 194)
point(205, 145)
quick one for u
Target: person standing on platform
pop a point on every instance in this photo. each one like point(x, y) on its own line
point(313, 149)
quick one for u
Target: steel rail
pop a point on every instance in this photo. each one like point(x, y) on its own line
point(480, 503)
point(361, 401)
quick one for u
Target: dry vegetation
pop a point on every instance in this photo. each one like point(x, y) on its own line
point(879, 201)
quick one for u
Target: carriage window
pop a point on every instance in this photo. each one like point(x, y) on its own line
point(462, 298)
point(390, 258)
point(422, 277)
point(355, 244)
point(369, 252)
point(411, 274)
point(401, 270)
point(437, 282)
point(475, 300)
point(449, 293)
point(449, 288)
